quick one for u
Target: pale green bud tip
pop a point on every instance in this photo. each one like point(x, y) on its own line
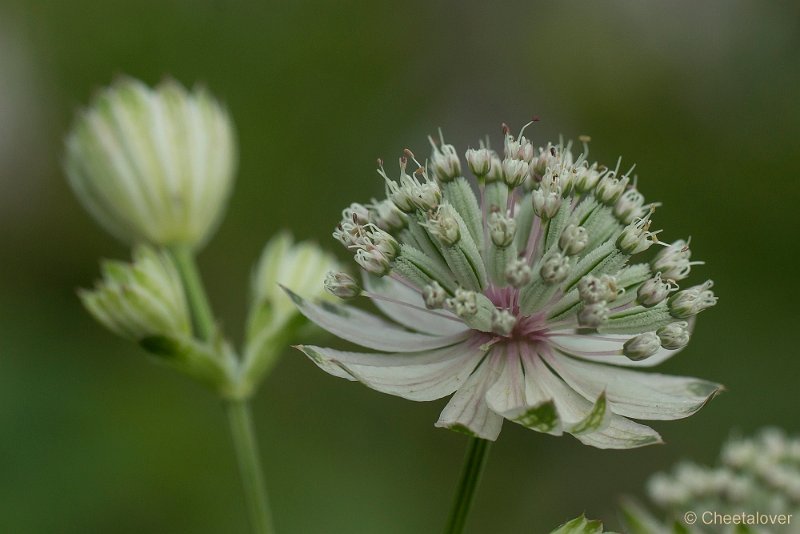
point(479, 161)
point(341, 285)
point(690, 302)
point(140, 300)
point(593, 315)
point(593, 289)
point(502, 229)
point(674, 336)
point(573, 240)
point(642, 346)
point(503, 322)
point(518, 273)
point(153, 165)
point(442, 224)
point(555, 268)
point(655, 290)
point(434, 296)
point(464, 303)
point(445, 162)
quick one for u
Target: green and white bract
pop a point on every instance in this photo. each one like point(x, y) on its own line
point(523, 301)
point(153, 165)
point(144, 302)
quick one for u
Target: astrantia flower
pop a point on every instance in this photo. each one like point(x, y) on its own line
point(755, 475)
point(153, 165)
point(523, 301)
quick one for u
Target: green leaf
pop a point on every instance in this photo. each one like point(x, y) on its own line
point(580, 525)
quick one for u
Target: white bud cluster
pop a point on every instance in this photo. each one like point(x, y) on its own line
point(480, 161)
point(342, 285)
point(502, 229)
point(547, 198)
point(690, 302)
point(445, 162)
point(673, 261)
point(573, 240)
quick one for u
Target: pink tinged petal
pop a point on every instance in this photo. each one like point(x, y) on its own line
point(422, 376)
point(597, 348)
point(508, 398)
point(633, 393)
point(368, 330)
point(438, 322)
point(467, 410)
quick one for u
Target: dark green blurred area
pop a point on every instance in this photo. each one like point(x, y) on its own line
point(702, 96)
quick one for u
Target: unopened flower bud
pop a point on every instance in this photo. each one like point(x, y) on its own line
point(586, 178)
point(373, 260)
point(642, 346)
point(434, 295)
point(518, 273)
point(546, 202)
point(464, 303)
point(555, 268)
point(515, 172)
point(593, 315)
point(636, 237)
point(444, 161)
point(443, 225)
point(573, 240)
point(385, 215)
point(341, 285)
point(673, 261)
point(690, 302)
point(654, 290)
point(479, 161)
point(674, 336)
point(503, 322)
point(142, 299)
point(357, 213)
point(593, 289)
point(630, 206)
point(495, 173)
point(502, 229)
point(153, 165)
point(609, 188)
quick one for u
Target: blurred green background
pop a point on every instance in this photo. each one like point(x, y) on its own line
point(702, 96)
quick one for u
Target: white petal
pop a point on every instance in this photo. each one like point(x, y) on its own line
point(368, 330)
point(586, 346)
point(576, 413)
point(634, 393)
point(440, 322)
point(508, 398)
point(467, 411)
point(621, 433)
point(421, 376)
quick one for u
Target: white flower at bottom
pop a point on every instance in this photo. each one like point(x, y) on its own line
point(548, 351)
point(153, 165)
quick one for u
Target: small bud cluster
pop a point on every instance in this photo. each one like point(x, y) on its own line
point(762, 472)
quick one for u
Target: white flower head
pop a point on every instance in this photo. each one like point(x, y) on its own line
point(520, 313)
point(153, 165)
point(756, 474)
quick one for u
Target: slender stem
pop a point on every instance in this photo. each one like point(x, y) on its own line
point(202, 316)
point(477, 453)
point(244, 441)
point(238, 410)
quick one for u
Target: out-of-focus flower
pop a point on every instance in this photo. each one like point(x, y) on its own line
point(144, 302)
point(300, 267)
point(153, 165)
point(755, 479)
point(526, 303)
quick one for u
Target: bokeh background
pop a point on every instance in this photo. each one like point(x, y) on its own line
point(703, 96)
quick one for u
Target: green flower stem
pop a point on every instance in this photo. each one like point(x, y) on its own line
point(244, 440)
point(198, 301)
point(477, 454)
point(237, 410)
